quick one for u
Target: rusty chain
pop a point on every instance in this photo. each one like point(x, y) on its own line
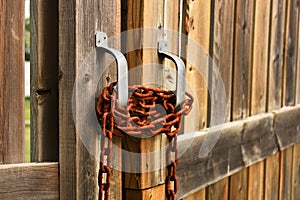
point(143, 117)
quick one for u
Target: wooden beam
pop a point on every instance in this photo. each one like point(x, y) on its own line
point(287, 127)
point(44, 80)
point(79, 157)
point(29, 181)
point(242, 143)
point(12, 90)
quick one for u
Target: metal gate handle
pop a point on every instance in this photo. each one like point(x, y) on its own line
point(180, 67)
point(101, 42)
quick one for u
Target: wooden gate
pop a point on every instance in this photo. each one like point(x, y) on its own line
point(255, 45)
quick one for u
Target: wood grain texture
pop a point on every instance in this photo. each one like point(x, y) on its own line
point(298, 67)
point(289, 83)
point(223, 36)
point(287, 127)
point(259, 86)
point(241, 144)
point(275, 75)
point(44, 81)
point(260, 57)
point(158, 192)
point(12, 90)
point(144, 181)
point(276, 58)
point(244, 28)
point(197, 27)
point(239, 185)
point(286, 173)
point(296, 173)
point(78, 22)
point(272, 174)
point(29, 181)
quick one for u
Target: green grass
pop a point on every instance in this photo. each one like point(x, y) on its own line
point(27, 130)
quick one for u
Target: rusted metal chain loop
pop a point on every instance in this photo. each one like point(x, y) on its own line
point(150, 111)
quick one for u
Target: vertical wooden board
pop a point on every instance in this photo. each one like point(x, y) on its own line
point(272, 166)
point(289, 79)
point(298, 66)
point(67, 66)
point(296, 173)
point(256, 181)
point(259, 86)
point(276, 58)
point(244, 27)
point(44, 81)
point(197, 27)
point(242, 58)
point(223, 48)
point(147, 194)
point(141, 15)
point(197, 195)
point(286, 172)
point(218, 190)
point(12, 91)
point(239, 185)
point(223, 31)
point(260, 57)
point(78, 22)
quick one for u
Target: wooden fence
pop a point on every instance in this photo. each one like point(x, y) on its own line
point(255, 44)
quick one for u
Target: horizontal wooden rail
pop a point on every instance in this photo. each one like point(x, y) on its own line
point(241, 144)
point(29, 181)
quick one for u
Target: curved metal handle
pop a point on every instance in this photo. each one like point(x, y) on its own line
point(180, 67)
point(101, 42)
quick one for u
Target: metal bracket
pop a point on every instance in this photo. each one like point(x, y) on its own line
point(180, 67)
point(101, 42)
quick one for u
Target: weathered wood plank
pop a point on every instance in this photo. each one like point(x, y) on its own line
point(67, 65)
point(239, 185)
point(197, 27)
point(298, 67)
point(142, 179)
point(296, 172)
point(244, 27)
point(223, 29)
point(287, 126)
point(29, 181)
point(272, 174)
point(259, 86)
point(78, 22)
point(289, 81)
point(44, 80)
point(12, 123)
point(286, 172)
point(276, 57)
point(158, 192)
point(241, 144)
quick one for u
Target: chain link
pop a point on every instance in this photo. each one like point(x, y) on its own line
point(143, 117)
